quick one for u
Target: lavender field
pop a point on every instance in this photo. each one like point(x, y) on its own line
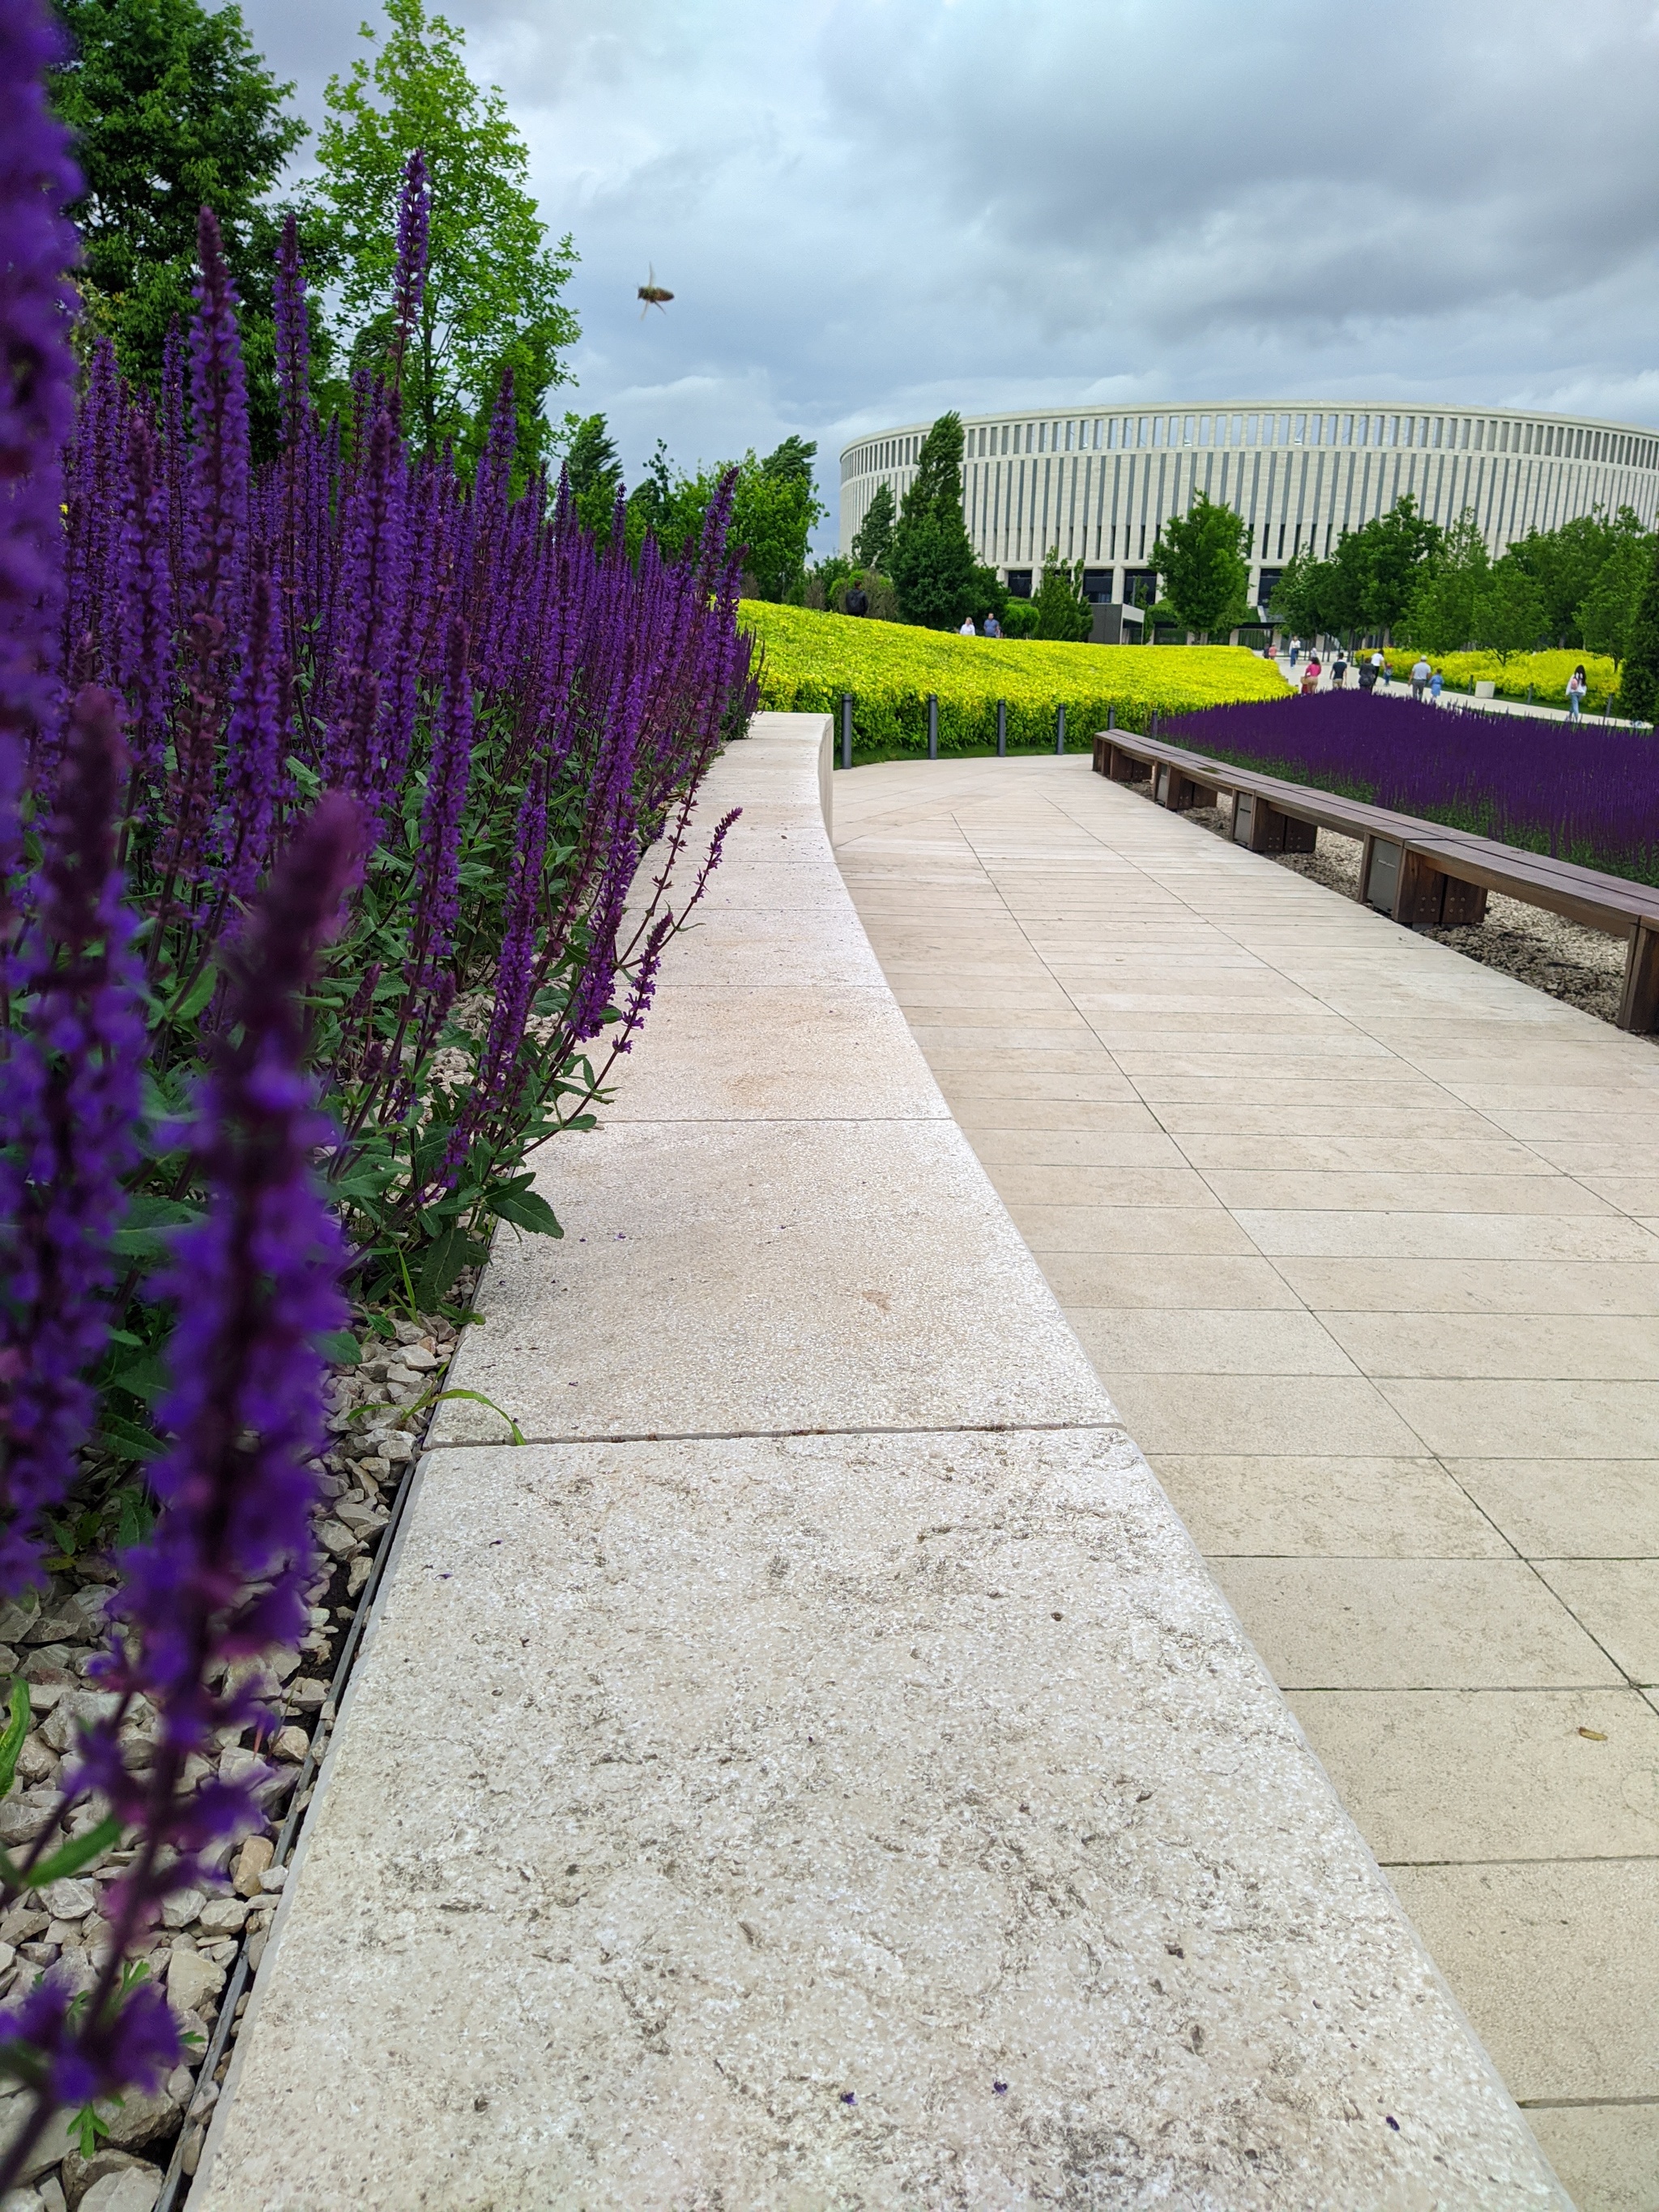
point(1588, 796)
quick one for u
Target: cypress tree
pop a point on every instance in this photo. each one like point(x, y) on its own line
point(931, 562)
point(874, 540)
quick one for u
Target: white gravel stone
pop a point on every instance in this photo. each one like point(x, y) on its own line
point(132, 2189)
point(191, 1980)
point(69, 1900)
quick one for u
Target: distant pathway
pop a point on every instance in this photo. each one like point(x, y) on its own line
point(1364, 1239)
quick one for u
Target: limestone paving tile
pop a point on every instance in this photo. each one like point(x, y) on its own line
point(1612, 1347)
point(1141, 1146)
point(1478, 1418)
point(1410, 1625)
point(1194, 1341)
point(1494, 1286)
point(1168, 1280)
point(1591, 1509)
point(1351, 1191)
point(1560, 1963)
point(1438, 1775)
point(1618, 1602)
point(770, 1275)
point(1126, 1230)
point(1320, 1416)
point(1357, 1507)
point(1607, 2155)
point(1026, 1185)
point(870, 1883)
point(1287, 1233)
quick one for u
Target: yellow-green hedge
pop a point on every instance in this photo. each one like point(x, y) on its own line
point(1545, 672)
point(810, 658)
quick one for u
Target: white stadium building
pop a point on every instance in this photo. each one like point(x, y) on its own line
point(1098, 485)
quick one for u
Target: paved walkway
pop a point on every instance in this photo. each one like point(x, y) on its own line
point(1550, 710)
point(1364, 1239)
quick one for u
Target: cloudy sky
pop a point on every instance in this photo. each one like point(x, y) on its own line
point(869, 211)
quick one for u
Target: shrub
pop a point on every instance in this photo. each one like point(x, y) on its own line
point(810, 659)
point(1542, 674)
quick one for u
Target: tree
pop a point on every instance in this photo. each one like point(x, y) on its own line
point(931, 556)
point(1390, 551)
point(594, 470)
point(1509, 614)
point(1200, 560)
point(1638, 680)
point(774, 513)
point(1565, 564)
point(171, 108)
point(1440, 615)
point(493, 290)
point(873, 538)
point(1606, 619)
point(1299, 595)
point(1062, 612)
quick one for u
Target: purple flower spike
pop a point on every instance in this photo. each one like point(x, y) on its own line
point(36, 371)
point(408, 285)
point(70, 1096)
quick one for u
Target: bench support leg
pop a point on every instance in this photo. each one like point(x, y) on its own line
point(1425, 898)
point(1260, 828)
point(1639, 1005)
point(1122, 767)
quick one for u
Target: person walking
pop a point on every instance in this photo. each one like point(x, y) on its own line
point(1435, 681)
point(1295, 651)
point(1339, 671)
point(967, 630)
point(993, 627)
point(1421, 672)
point(1310, 677)
point(857, 601)
point(1379, 671)
point(1577, 684)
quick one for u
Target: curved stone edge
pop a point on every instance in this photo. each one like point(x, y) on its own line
point(864, 1826)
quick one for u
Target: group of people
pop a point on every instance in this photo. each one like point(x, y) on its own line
point(1426, 682)
point(993, 627)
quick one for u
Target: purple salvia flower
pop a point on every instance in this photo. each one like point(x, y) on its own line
point(69, 1099)
point(253, 747)
point(292, 336)
point(408, 285)
point(37, 179)
point(151, 663)
point(216, 532)
point(223, 1574)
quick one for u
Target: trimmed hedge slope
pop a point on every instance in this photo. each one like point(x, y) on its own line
point(810, 658)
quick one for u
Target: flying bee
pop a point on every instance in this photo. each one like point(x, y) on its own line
point(653, 295)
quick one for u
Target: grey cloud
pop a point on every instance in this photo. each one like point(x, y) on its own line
point(869, 210)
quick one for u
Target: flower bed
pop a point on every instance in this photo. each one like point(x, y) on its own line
point(325, 789)
point(1541, 677)
point(810, 659)
point(1589, 795)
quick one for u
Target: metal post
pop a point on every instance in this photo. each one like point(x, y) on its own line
point(932, 726)
point(1059, 728)
point(846, 729)
point(1002, 727)
point(1111, 718)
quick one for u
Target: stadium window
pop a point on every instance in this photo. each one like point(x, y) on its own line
point(1300, 434)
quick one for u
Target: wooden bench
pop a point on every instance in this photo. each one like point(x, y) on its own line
point(1420, 873)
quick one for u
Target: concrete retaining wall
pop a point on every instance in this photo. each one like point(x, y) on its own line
point(817, 1769)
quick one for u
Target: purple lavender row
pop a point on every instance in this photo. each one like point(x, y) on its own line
point(1584, 795)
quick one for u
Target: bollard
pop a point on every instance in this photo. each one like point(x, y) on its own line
point(1111, 718)
point(1059, 728)
point(846, 729)
point(932, 726)
point(1002, 727)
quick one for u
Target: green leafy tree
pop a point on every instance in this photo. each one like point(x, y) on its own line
point(172, 109)
point(874, 536)
point(1391, 550)
point(1062, 612)
point(773, 516)
point(1606, 619)
point(494, 286)
point(1510, 613)
point(1299, 598)
point(931, 557)
point(1638, 679)
point(1200, 565)
point(594, 471)
point(1565, 564)
point(1440, 615)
